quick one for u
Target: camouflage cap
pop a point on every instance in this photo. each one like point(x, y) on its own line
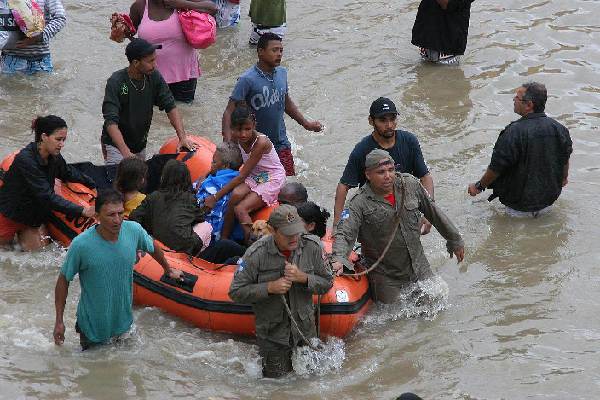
point(286, 220)
point(376, 158)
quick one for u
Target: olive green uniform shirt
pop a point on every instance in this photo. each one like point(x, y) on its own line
point(262, 263)
point(267, 13)
point(370, 218)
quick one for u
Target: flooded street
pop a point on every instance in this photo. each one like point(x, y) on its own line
point(516, 320)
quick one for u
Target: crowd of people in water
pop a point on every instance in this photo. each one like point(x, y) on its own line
point(211, 218)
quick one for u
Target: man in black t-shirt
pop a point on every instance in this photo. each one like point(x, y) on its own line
point(403, 146)
point(129, 99)
point(530, 161)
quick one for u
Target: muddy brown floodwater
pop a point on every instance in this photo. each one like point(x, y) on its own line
point(516, 320)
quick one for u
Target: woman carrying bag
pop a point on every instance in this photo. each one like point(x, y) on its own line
point(158, 22)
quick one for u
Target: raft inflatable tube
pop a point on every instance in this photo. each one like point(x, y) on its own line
point(63, 228)
point(202, 298)
point(197, 161)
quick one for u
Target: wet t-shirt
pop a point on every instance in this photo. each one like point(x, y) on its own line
point(265, 94)
point(106, 277)
point(406, 153)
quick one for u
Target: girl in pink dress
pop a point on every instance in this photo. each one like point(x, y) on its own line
point(158, 23)
point(260, 179)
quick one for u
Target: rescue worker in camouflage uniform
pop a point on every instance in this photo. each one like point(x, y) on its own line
point(287, 264)
point(372, 215)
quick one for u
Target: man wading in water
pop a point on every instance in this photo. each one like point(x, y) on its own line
point(284, 267)
point(530, 162)
point(104, 256)
point(386, 210)
point(264, 88)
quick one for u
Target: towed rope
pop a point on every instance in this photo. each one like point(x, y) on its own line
point(392, 236)
point(295, 324)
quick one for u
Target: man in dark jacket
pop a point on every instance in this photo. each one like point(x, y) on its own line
point(286, 266)
point(530, 162)
point(441, 28)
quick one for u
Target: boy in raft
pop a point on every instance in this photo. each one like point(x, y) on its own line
point(286, 266)
point(226, 162)
point(104, 256)
point(27, 196)
point(260, 178)
point(171, 215)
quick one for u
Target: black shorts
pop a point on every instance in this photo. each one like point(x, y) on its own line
point(184, 91)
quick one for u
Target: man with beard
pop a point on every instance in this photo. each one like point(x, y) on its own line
point(130, 96)
point(402, 146)
point(384, 217)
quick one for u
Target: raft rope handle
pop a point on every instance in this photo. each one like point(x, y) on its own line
point(392, 236)
point(295, 324)
point(92, 195)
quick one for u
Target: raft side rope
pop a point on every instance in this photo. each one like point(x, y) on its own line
point(398, 219)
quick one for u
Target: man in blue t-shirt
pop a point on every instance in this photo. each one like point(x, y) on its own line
point(403, 146)
point(264, 88)
point(104, 256)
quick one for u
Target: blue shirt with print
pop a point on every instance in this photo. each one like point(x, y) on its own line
point(265, 94)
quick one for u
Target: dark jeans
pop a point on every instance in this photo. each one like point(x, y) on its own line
point(219, 251)
point(184, 91)
point(83, 340)
point(276, 359)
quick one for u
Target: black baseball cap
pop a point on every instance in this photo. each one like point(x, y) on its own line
point(140, 48)
point(382, 106)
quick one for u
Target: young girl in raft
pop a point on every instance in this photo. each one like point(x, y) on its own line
point(171, 213)
point(130, 180)
point(260, 179)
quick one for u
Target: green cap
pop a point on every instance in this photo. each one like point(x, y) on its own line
point(286, 220)
point(376, 158)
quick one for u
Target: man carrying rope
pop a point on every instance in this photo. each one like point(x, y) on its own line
point(384, 215)
point(278, 275)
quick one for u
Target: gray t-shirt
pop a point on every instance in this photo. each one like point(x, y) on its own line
point(265, 94)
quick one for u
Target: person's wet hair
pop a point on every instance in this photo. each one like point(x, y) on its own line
point(311, 212)
point(131, 175)
point(265, 38)
point(292, 193)
point(230, 155)
point(241, 114)
point(48, 125)
point(536, 93)
point(175, 178)
point(107, 196)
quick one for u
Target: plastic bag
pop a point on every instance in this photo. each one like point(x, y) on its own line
point(9, 31)
point(121, 27)
point(28, 16)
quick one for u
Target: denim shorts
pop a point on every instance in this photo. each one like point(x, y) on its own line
point(12, 64)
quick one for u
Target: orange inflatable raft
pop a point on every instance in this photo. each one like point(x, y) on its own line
point(202, 298)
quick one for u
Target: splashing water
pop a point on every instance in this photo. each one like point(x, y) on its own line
point(421, 299)
point(328, 357)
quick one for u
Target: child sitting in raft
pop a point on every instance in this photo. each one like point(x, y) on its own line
point(260, 179)
point(170, 214)
point(314, 217)
point(130, 180)
point(226, 162)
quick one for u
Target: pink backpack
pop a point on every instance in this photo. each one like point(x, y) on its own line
point(200, 29)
